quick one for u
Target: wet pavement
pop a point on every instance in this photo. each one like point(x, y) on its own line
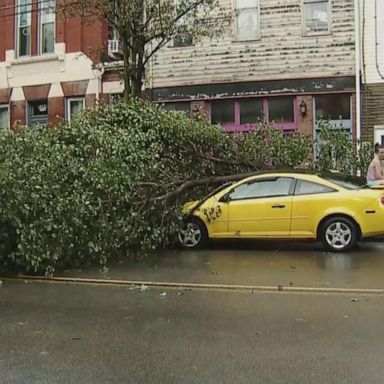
point(64, 334)
point(257, 264)
point(69, 333)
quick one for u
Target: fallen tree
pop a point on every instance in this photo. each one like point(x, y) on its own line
point(111, 184)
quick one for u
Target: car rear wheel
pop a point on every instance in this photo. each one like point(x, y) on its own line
point(338, 234)
point(193, 234)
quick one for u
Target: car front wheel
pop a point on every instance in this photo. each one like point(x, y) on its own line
point(338, 234)
point(193, 234)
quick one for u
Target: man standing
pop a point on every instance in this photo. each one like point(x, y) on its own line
point(375, 174)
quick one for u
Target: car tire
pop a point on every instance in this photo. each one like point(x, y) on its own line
point(338, 234)
point(193, 234)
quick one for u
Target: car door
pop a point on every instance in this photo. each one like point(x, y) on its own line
point(310, 201)
point(261, 208)
point(215, 213)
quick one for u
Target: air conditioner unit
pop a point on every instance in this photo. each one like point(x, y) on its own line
point(114, 46)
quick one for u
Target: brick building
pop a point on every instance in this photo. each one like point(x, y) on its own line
point(47, 68)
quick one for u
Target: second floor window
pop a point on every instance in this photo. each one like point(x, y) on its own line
point(316, 16)
point(247, 19)
point(24, 18)
point(47, 26)
point(183, 37)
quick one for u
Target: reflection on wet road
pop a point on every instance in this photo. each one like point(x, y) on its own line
point(258, 263)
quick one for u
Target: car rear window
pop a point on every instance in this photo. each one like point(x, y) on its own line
point(304, 187)
point(344, 184)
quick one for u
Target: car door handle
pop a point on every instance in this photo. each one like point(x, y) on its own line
point(278, 206)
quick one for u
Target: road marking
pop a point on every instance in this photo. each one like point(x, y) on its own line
point(196, 286)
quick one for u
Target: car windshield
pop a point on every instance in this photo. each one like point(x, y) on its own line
point(218, 189)
point(352, 186)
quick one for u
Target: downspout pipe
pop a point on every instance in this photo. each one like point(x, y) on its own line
point(379, 71)
point(358, 54)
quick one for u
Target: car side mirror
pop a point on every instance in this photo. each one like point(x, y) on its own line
point(225, 198)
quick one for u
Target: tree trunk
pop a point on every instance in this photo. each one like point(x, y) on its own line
point(127, 70)
point(138, 80)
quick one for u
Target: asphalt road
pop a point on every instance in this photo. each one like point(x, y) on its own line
point(57, 333)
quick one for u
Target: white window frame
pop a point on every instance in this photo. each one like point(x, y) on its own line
point(173, 43)
point(6, 107)
point(42, 5)
point(304, 18)
point(18, 27)
point(68, 106)
point(237, 11)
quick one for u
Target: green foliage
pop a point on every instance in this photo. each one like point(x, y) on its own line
point(337, 151)
point(270, 147)
point(104, 187)
point(77, 196)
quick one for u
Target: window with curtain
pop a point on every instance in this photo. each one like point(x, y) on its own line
point(316, 16)
point(23, 22)
point(47, 26)
point(247, 19)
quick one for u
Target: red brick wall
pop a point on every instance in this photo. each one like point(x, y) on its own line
point(88, 36)
point(6, 26)
point(56, 110)
point(17, 114)
point(104, 98)
point(83, 36)
point(90, 101)
point(34, 28)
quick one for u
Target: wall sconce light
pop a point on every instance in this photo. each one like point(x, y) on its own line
point(303, 108)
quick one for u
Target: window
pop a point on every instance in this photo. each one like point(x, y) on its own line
point(115, 98)
point(316, 16)
point(333, 107)
point(247, 19)
point(245, 114)
point(74, 106)
point(47, 26)
point(281, 110)
point(23, 22)
point(280, 186)
point(183, 36)
point(251, 111)
point(181, 107)
point(222, 112)
point(182, 39)
point(38, 113)
point(4, 116)
point(304, 187)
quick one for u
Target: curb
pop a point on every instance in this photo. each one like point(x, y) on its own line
point(196, 286)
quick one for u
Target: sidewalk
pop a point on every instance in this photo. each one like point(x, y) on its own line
point(255, 264)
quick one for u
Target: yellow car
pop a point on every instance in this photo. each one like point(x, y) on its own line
point(286, 206)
